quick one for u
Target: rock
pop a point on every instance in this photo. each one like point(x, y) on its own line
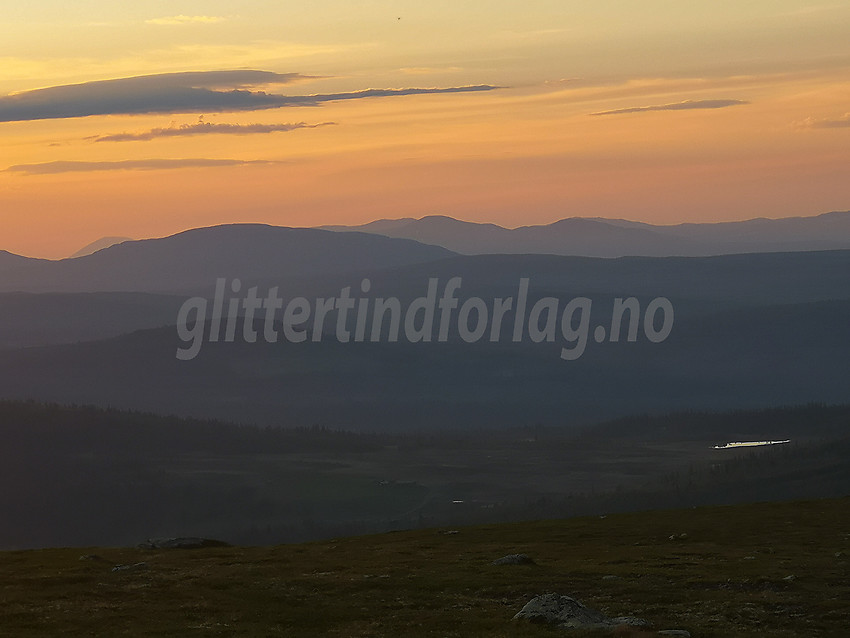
point(514, 559)
point(91, 557)
point(675, 632)
point(610, 577)
point(130, 568)
point(450, 532)
point(560, 610)
point(568, 613)
point(183, 542)
point(631, 621)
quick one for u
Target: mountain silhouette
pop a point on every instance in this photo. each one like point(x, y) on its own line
point(100, 244)
point(190, 261)
point(598, 237)
point(10, 262)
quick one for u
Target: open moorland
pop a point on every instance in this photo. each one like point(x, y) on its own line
point(778, 569)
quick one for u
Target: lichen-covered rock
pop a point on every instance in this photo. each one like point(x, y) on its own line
point(562, 611)
point(568, 613)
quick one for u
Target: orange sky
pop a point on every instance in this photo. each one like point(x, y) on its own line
point(677, 112)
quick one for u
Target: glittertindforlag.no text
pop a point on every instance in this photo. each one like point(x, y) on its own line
point(424, 319)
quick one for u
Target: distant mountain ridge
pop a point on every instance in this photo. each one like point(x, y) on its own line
point(599, 237)
point(11, 260)
point(100, 244)
point(179, 262)
point(190, 262)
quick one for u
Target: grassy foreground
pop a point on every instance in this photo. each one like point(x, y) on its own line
point(776, 569)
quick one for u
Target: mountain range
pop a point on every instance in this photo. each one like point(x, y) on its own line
point(598, 237)
point(192, 260)
point(100, 244)
point(751, 330)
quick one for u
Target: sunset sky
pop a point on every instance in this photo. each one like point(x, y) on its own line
point(146, 119)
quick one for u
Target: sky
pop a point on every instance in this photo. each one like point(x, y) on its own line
point(145, 119)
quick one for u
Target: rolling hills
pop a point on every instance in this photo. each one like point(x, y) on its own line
point(191, 261)
point(749, 331)
point(598, 237)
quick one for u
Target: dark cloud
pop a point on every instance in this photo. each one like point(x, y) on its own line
point(163, 93)
point(330, 97)
point(838, 122)
point(676, 106)
point(209, 91)
point(206, 128)
point(47, 168)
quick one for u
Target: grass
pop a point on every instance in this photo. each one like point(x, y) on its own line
point(774, 569)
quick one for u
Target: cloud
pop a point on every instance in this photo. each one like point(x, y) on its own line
point(565, 82)
point(165, 92)
point(49, 168)
point(838, 122)
point(206, 128)
point(181, 20)
point(676, 106)
point(353, 95)
point(215, 91)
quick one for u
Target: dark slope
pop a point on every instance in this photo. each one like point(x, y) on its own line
point(756, 357)
point(191, 261)
point(749, 331)
point(52, 318)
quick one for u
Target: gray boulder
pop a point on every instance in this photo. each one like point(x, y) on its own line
point(568, 613)
point(514, 559)
point(130, 568)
